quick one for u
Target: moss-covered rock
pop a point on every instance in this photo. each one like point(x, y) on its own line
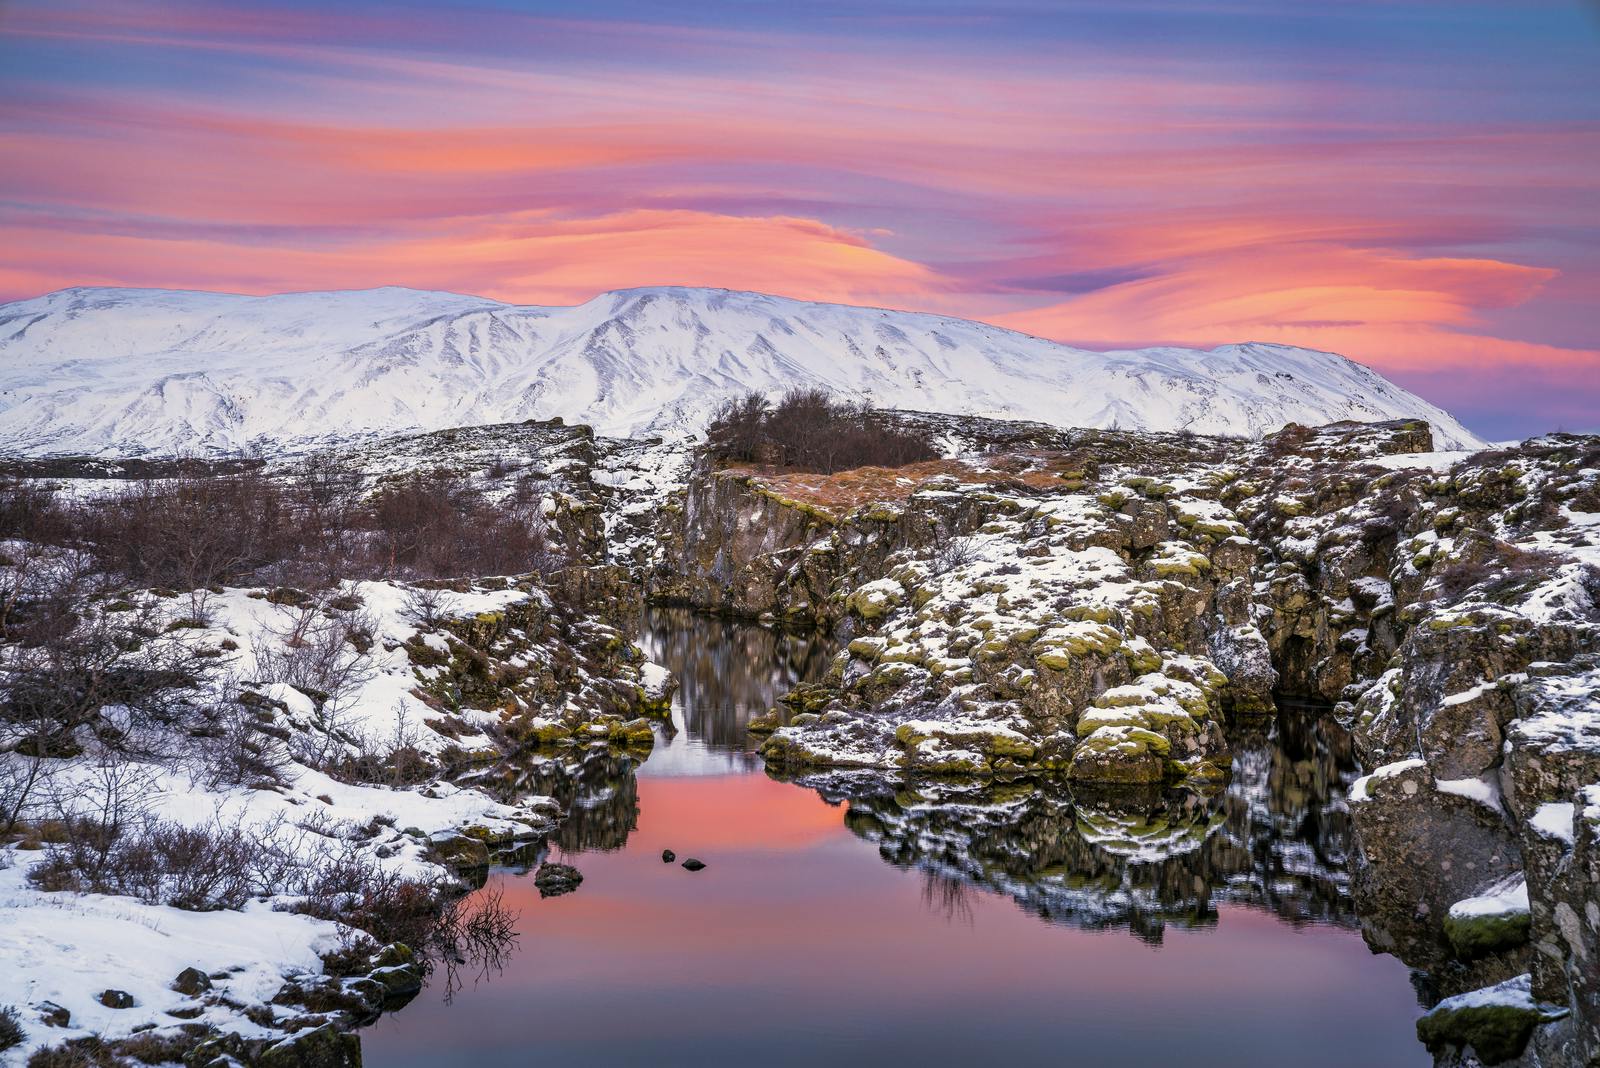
point(1495, 1023)
point(319, 1047)
point(1121, 755)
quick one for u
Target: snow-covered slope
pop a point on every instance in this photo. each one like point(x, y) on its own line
point(156, 372)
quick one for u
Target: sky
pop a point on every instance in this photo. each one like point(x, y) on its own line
point(1415, 185)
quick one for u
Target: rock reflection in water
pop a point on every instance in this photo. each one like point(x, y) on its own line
point(1276, 838)
point(728, 671)
point(596, 788)
point(830, 957)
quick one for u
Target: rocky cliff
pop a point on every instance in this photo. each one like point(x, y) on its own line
point(1116, 609)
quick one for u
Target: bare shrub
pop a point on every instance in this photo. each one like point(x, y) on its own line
point(351, 887)
point(809, 430)
point(30, 511)
point(947, 896)
point(221, 864)
point(326, 656)
point(200, 530)
point(423, 607)
point(436, 525)
point(240, 744)
point(1498, 571)
point(203, 868)
point(87, 1052)
point(1288, 441)
point(479, 932)
point(157, 1047)
point(77, 677)
point(499, 468)
point(952, 553)
point(737, 430)
point(396, 759)
point(11, 1033)
point(193, 530)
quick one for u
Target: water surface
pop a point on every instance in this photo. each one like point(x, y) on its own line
point(844, 920)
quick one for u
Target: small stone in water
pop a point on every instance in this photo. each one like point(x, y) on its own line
point(553, 879)
point(693, 864)
point(668, 856)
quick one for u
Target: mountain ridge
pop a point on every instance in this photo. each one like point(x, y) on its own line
point(106, 370)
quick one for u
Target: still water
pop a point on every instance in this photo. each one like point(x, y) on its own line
point(848, 921)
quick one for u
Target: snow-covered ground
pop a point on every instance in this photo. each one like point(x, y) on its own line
point(63, 950)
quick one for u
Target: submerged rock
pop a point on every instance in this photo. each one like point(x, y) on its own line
point(553, 879)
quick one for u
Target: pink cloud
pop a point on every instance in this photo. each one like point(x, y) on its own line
point(527, 257)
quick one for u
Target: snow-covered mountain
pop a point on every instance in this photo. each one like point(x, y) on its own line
point(134, 371)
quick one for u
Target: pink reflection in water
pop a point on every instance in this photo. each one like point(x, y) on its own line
point(799, 942)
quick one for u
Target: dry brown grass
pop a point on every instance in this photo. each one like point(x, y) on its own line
point(845, 491)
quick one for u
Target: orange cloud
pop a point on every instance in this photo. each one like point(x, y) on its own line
point(1382, 306)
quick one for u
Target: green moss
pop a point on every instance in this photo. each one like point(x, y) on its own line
point(1217, 529)
point(1478, 936)
point(1143, 717)
point(1003, 745)
point(1132, 741)
point(867, 648)
point(874, 601)
point(1124, 755)
point(908, 736)
point(1054, 658)
point(545, 733)
point(634, 734)
point(1497, 1032)
point(1143, 661)
point(1192, 565)
point(1114, 499)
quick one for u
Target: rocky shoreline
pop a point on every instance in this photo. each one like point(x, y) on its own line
point(1054, 646)
point(1112, 608)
